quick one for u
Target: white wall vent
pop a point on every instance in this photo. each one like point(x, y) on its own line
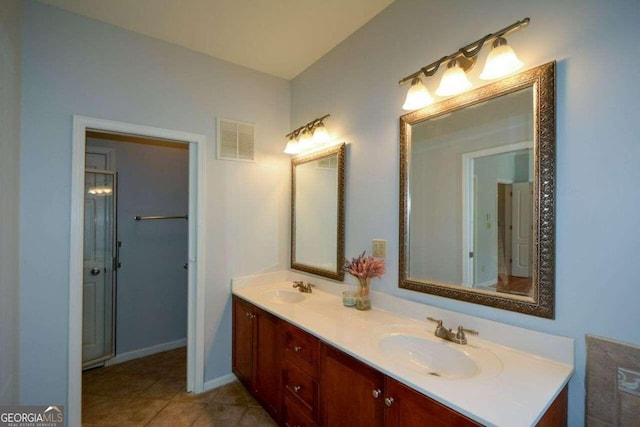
point(235, 140)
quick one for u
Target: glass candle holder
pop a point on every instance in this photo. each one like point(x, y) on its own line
point(349, 298)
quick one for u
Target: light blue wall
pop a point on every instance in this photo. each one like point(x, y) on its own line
point(598, 244)
point(74, 65)
point(152, 284)
point(10, 23)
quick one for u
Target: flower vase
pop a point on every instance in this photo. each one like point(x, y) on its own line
point(362, 299)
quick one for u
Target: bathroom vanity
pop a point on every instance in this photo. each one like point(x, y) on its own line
point(312, 362)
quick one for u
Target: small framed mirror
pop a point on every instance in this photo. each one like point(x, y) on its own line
point(317, 212)
point(477, 195)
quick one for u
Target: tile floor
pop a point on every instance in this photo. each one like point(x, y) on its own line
point(151, 391)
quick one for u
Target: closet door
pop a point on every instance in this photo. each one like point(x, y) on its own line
point(98, 340)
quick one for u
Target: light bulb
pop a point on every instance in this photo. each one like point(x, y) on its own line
point(293, 147)
point(501, 61)
point(454, 81)
point(418, 96)
point(320, 135)
point(305, 141)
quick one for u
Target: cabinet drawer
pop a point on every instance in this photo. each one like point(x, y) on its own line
point(300, 385)
point(301, 349)
point(294, 415)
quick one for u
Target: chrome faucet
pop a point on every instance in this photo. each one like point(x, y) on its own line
point(458, 337)
point(302, 287)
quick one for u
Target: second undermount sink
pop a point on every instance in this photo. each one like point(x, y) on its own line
point(284, 296)
point(435, 357)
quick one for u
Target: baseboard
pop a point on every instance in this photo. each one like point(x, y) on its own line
point(486, 285)
point(217, 382)
point(147, 351)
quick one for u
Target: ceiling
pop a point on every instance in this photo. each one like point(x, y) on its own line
point(278, 37)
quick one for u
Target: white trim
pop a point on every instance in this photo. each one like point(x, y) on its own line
point(468, 194)
point(147, 351)
point(217, 382)
point(197, 197)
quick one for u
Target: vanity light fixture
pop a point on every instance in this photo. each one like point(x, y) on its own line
point(308, 137)
point(454, 80)
point(100, 191)
point(320, 134)
point(418, 95)
point(501, 61)
point(293, 146)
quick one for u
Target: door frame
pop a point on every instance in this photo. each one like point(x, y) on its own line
point(196, 276)
point(468, 203)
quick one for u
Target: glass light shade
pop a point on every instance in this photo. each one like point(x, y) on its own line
point(418, 96)
point(293, 147)
point(454, 81)
point(305, 142)
point(501, 61)
point(320, 135)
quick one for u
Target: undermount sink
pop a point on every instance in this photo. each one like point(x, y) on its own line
point(284, 296)
point(439, 358)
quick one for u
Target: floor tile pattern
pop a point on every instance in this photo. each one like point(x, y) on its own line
point(151, 391)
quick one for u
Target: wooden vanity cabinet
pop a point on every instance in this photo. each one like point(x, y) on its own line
point(242, 348)
point(301, 353)
point(353, 394)
point(302, 382)
point(407, 408)
point(256, 354)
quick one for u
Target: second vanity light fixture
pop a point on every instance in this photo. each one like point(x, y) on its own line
point(501, 61)
point(308, 137)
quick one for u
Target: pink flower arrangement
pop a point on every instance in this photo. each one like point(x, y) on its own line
point(364, 267)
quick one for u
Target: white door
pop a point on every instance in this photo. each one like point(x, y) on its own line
point(98, 289)
point(521, 235)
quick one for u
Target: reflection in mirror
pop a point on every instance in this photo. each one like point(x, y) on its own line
point(477, 195)
point(317, 212)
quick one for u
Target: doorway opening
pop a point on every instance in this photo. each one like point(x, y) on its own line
point(497, 213)
point(102, 181)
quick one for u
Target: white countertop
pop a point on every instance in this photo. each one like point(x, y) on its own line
point(515, 390)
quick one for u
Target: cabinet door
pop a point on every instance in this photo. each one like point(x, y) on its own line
point(266, 378)
point(412, 409)
point(242, 350)
point(347, 389)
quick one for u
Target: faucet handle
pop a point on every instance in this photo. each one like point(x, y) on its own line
point(469, 331)
point(433, 319)
point(298, 283)
point(461, 338)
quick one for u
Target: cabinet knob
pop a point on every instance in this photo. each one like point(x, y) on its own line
point(297, 348)
point(376, 393)
point(388, 401)
point(297, 388)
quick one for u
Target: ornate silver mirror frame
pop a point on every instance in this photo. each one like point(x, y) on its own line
point(541, 300)
point(322, 195)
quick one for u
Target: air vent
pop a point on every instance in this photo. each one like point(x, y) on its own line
point(235, 140)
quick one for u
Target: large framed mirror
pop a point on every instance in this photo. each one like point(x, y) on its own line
point(317, 212)
point(477, 195)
